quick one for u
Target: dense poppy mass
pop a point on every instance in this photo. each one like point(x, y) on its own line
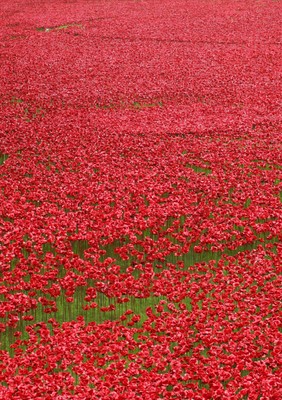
point(140, 200)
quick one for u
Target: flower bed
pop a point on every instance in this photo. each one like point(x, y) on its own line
point(140, 200)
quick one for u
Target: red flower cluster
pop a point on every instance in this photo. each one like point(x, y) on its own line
point(140, 200)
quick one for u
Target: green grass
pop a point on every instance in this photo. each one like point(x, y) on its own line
point(3, 158)
point(141, 105)
point(16, 100)
point(136, 105)
point(58, 27)
point(67, 311)
point(199, 170)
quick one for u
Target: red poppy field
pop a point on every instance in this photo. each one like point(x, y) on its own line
point(140, 200)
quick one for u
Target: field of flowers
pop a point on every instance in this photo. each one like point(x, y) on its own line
point(140, 199)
